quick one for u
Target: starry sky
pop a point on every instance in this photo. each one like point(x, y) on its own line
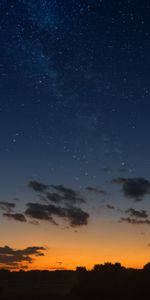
point(74, 138)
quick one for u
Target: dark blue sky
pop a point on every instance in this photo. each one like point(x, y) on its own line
point(74, 86)
point(75, 101)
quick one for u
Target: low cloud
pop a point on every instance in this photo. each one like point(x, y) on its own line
point(96, 190)
point(74, 215)
point(137, 213)
point(59, 193)
point(136, 217)
point(34, 222)
point(109, 206)
point(119, 180)
point(135, 221)
point(67, 194)
point(42, 212)
point(38, 186)
point(16, 199)
point(134, 188)
point(65, 206)
point(13, 258)
point(7, 206)
point(54, 197)
point(15, 216)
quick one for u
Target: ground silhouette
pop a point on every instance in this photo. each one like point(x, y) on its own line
point(104, 282)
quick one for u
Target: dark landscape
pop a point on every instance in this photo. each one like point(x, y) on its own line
point(106, 282)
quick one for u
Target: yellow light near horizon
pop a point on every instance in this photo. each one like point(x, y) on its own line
point(97, 243)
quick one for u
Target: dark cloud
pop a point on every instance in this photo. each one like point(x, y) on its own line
point(109, 206)
point(67, 195)
point(38, 186)
point(60, 193)
point(135, 221)
point(137, 213)
point(43, 198)
point(10, 257)
point(42, 212)
point(16, 199)
point(119, 180)
point(134, 188)
point(34, 222)
point(54, 197)
point(74, 215)
point(7, 206)
point(65, 200)
point(15, 216)
point(96, 190)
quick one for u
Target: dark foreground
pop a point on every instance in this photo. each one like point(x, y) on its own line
point(105, 282)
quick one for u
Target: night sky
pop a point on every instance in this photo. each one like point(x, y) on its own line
point(74, 138)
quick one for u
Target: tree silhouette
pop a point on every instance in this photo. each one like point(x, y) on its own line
point(81, 269)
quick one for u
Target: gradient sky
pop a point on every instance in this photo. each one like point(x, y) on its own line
point(75, 140)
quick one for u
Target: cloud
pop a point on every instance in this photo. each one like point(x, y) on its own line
point(64, 206)
point(7, 206)
point(33, 222)
point(15, 216)
point(10, 257)
point(109, 206)
point(96, 190)
point(16, 199)
point(67, 195)
point(137, 213)
point(42, 212)
point(74, 215)
point(38, 186)
point(119, 180)
point(135, 221)
point(54, 197)
point(60, 193)
point(134, 188)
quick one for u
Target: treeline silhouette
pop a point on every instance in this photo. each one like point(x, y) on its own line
point(104, 282)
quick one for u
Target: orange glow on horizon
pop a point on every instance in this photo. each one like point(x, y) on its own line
point(102, 241)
